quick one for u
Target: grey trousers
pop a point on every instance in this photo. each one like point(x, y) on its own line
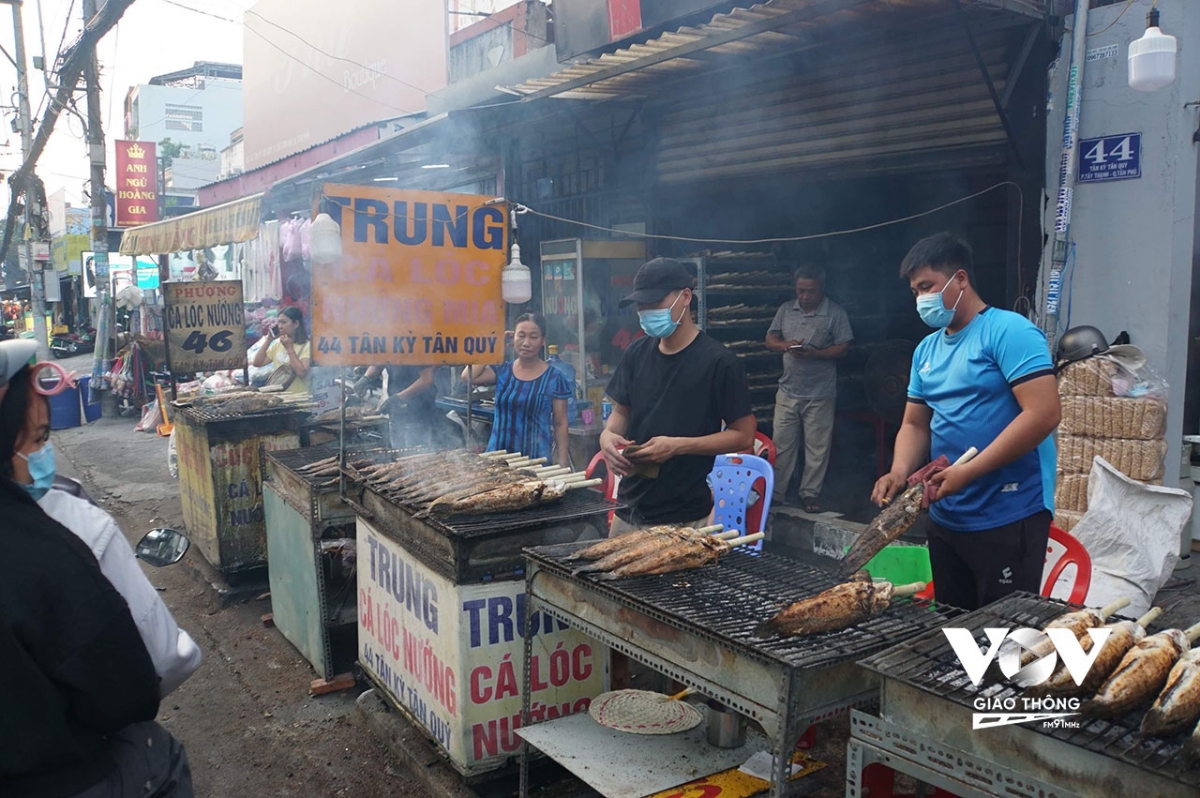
point(150, 763)
point(815, 418)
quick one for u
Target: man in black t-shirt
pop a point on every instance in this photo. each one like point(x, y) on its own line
point(411, 393)
point(671, 393)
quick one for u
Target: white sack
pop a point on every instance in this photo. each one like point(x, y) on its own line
point(1131, 532)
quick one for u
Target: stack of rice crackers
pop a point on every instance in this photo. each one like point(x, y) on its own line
point(1126, 432)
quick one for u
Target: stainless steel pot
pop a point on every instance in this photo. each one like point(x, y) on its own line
point(726, 728)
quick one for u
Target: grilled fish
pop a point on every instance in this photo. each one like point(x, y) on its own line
point(1122, 636)
point(644, 546)
point(1078, 621)
point(890, 524)
point(614, 544)
point(1141, 674)
point(835, 609)
point(676, 554)
point(1177, 707)
point(518, 496)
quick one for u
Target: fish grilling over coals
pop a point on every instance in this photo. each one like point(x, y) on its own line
point(837, 608)
point(1078, 621)
point(646, 545)
point(518, 496)
point(680, 554)
point(1122, 636)
point(1177, 707)
point(609, 545)
point(1141, 674)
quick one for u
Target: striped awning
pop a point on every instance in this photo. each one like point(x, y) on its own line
point(231, 223)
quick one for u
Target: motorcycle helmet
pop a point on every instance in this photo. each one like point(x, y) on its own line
point(1079, 343)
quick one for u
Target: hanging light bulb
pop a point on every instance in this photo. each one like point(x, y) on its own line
point(325, 240)
point(1152, 57)
point(516, 281)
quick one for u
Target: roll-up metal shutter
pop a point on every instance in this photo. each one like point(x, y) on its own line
point(870, 108)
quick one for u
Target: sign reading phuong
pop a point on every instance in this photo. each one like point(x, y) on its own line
point(418, 282)
point(206, 325)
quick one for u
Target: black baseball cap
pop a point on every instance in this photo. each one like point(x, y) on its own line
point(657, 278)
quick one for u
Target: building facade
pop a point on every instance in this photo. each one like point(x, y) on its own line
point(199, 108)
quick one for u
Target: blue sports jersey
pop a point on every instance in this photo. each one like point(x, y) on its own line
point(966, 379)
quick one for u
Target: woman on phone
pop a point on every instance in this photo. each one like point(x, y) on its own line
point(531, 397)
point(289, 350)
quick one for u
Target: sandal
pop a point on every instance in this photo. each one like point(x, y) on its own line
point(812, 506)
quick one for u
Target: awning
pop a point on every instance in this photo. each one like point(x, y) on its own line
point(731, 40)
point(231, 223)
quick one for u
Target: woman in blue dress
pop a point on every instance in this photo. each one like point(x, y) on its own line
point(531, 397)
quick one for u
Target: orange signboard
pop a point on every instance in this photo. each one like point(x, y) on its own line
point(418, 282)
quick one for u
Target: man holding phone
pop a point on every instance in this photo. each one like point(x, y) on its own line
point(812, 332)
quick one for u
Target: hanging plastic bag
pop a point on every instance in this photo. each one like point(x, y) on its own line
point(151, 417)
point(1131, 532)
point(289, 241)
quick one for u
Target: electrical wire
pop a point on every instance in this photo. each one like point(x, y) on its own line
point(334, 81)
point(199, 11)
point(327, 54)
point(63, 39)
point(522, 209)
point(1128, 5)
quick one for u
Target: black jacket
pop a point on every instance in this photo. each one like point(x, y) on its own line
point(72, 664)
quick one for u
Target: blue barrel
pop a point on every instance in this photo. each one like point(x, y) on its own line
point(64, 409)
point(91, 412)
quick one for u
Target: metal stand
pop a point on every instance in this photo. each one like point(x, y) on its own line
point(783, 700)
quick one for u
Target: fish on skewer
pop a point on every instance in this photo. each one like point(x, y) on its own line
point(681, 554)
point(643, 547)
point(896, 519)
point(1078, 621)
point(1177, 707)
point(837, 608)
point(1141, 673)
point(610, 545)
point(518, 496)
point(1122, 636)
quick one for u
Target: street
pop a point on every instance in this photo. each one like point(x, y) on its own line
point(245, 717)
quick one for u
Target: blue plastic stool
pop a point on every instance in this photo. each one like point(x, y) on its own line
point(733, 481)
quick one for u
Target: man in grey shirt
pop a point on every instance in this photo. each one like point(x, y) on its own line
point(812, 332)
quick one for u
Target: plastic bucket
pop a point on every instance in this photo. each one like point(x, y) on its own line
point(901, 565)
point(91, 412)
point(64, 409)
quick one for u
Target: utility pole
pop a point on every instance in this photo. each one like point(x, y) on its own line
point(33, 210)
point(106, 328)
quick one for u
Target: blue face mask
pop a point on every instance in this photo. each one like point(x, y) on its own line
point(41, 468)
point(933, 310)
point(657, 323)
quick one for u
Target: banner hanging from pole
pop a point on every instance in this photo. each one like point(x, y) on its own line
point(418, 282)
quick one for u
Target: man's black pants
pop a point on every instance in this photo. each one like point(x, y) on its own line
point(971, 569)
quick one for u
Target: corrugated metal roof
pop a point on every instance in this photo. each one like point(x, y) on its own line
point(641, 69)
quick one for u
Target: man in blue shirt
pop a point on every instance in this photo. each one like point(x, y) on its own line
point(983, 379)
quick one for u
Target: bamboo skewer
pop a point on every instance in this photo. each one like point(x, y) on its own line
point(708, 530)
point(900, 591)
point(1150, 617)
point(746, 540)
point(1113, 608)
point(589, 483)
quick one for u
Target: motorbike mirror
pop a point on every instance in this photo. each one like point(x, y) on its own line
point(162, 547)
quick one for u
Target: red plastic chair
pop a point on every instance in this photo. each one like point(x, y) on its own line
point(611, 481)
point(763, 447)
point(1063, 550)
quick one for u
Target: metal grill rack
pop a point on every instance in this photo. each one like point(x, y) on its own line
point(470, 548)
point(927, 701)
point(203, 414)
point(697, 627)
